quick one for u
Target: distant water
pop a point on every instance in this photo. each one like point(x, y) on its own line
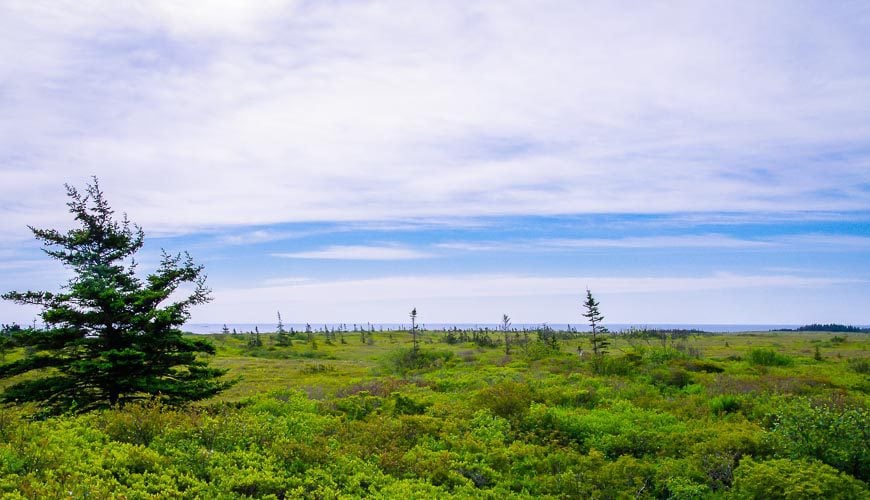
point(271, 327)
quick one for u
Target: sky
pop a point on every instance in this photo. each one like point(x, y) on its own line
point(346, 161)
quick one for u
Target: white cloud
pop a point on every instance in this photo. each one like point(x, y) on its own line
point(841, 241)
point(358, 252)
point(287, 281)
point(682, 241)
point(255, 113)
point(473, 298)
point(640, 242)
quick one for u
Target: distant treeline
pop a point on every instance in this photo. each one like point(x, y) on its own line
point(832, 327)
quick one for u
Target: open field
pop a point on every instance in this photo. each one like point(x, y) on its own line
point(754, 415)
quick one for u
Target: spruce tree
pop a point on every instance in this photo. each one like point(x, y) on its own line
point(505, 328)
point(599, 344)
point(282, 338)
point(110, 337)
point(413, 316)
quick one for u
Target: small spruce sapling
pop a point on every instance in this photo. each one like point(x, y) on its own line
point(505, 328)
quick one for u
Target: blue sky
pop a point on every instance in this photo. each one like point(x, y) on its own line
point(697, 162)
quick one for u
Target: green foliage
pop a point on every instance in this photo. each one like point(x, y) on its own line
point(538, 350)
point(673, 376)
point(768, 357)
point(405, 360)
point(726, 403)
point(624, 365)
point(489, 426)
point(837, 436)
point(794, 479)
point(108, 340)
point(860, 365)
point(507, 399)
point(619, 430)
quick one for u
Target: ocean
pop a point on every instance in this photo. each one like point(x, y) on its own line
point(615, 327)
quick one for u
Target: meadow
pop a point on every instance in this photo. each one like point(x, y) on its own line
point(348, 415)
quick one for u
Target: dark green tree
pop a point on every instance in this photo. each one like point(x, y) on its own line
point(599, 343)
point(254, 337)
point(282, 338)
point(505, 328)
point(110, 337)
point(413, 316)
point(7, 338)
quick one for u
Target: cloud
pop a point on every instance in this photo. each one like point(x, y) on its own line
point(834, 241)
point(268, 112)
point(287, 281)
point(640, 242)
point(357, 252)
point(261, 236)
point(476, 297)
point(682, 241)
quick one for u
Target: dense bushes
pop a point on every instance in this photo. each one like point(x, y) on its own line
point(836, 436)
point(768, 357)
point(794, 479)
point(478, 425)
point(405, 360)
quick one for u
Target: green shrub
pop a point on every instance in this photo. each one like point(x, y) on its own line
point(540, 350)
point(661, 355)
point(673, 377)
point(721, 451)
point(695, 365)
point(404, 405)
point(794, 479)
point(358, 405)
point(726, 403)
point(488, 427)
point(608, 365)
point(835, 436)
point(405, 360)
point(860, 365)
point(622, 429)
point(138, 423)
point(507, 399)
point(768, 357)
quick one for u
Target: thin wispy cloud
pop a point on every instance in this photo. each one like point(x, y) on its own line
point(258, 236)
point(382, 299)
point(357, 252)
point(286, 281)
point(834, 241)
point(648, 242)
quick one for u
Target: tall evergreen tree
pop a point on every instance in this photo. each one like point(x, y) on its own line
point(599, 344)
point(110, 337)
point(505, 328)
point(413, 316)
point(282, 338)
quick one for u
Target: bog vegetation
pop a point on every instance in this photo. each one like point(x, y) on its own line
point(353, 414)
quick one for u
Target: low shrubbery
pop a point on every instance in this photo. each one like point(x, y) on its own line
point(768, 357)
point(436, 424)
point(405, 360)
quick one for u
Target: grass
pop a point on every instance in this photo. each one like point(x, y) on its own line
point(354, 361)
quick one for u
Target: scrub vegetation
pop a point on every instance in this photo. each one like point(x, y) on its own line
point(663, 415)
